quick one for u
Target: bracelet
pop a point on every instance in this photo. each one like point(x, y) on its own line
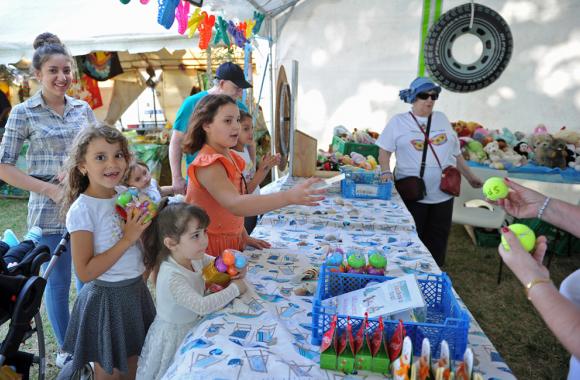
point(386, 172)
point(543, 208)
point(535, 282)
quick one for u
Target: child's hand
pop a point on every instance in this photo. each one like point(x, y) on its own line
point(257, 243)
point(241, 285)
point(304, 194)
point(269, 161)
point(241, 274)
point(134, 225)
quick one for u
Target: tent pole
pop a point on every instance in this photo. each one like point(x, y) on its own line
point(208, 69)
point(272, 95)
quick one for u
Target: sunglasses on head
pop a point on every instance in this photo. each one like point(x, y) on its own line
point(425, 96)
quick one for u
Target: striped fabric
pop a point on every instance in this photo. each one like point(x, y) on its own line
point(50, 136)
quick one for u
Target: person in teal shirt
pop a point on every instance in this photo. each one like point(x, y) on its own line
point(229, 80)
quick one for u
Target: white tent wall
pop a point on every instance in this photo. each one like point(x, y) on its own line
point(354, 56)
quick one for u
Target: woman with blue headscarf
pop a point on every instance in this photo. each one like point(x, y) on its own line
point(404, 135)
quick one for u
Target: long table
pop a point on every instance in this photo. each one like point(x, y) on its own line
point(266, 333)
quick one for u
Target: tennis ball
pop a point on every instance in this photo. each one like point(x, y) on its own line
point(524, 233)
point(495, 188)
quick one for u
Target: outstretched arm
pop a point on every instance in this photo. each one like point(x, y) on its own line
point(215, 180)
point(523, 202)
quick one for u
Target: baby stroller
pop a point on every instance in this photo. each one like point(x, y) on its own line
point(21, 291)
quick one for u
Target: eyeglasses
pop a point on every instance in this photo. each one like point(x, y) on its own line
point(425, 96)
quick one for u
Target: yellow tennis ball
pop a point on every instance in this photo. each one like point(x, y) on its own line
point(524, 233)
point(495, 188)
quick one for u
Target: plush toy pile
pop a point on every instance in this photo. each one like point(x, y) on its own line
point(503, 150)
point(331, 161)
point(358, 136)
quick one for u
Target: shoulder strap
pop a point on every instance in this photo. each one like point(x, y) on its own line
point(422, 171)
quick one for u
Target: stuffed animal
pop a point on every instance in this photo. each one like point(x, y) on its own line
point(476, 152)
point(556, 154)
point(495, 155)
point(523, 149)
point(576, 163)
point(570, 137)
point(540, 144)
point(519, 135)
point(508, 137)
point(461, 128)
point(540, 130)
point(513, 158)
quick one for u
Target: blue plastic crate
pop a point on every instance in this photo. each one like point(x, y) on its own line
point(446, 319)
point(364, 184)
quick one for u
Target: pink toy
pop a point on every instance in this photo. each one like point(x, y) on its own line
point(540, 130)
point(181, 14)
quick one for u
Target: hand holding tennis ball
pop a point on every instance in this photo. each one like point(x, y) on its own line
point(495, 188)
point(526, 236)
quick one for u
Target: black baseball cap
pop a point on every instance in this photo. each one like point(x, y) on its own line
point(232, 72)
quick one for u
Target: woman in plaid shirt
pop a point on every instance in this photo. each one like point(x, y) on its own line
point(49, 120)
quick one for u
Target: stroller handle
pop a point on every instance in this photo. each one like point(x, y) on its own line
point(60, 248)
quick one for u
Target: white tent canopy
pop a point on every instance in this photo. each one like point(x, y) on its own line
point(92, 25)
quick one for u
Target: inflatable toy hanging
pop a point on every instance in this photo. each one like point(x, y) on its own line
point(485, 24)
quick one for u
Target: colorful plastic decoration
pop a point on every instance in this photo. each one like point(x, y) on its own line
point(166, 14)
point(221, 33)
point(239, 37)
point(356, 262)
point(125, 2)
point(144, 2)
point(218, 274)
point(249, 28)
point(377, 264)
point(194, 20)
point(259, 17)
point(181, 15)
point(132, 198)
point(205, 28)
point(242, 27)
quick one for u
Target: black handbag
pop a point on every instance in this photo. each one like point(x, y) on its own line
point(412, 189)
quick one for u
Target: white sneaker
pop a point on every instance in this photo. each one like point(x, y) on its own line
point(62, 358)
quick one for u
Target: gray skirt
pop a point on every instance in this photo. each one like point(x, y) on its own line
point(109, 323)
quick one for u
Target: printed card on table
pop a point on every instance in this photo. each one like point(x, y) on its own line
point(381, 299)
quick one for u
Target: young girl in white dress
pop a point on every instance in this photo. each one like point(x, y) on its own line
point(176, 241)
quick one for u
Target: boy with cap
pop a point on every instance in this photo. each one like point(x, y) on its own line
point(229, 80)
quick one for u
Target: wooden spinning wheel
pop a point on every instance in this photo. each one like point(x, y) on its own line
point(283, 118)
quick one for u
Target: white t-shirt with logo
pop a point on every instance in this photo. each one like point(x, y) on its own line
point(403, 137)
point(99, 217)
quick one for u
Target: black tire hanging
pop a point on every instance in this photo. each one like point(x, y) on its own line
point(494, 34)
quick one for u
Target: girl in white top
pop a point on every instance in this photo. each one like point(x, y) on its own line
point(177, 241)
point(115, 304)
point(252, 176)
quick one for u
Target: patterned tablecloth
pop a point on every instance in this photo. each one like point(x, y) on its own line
point(266, 333)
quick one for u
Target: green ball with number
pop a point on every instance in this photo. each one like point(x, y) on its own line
point(524, 233)
point(495, 188)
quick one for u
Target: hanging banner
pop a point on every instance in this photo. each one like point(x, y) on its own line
point(101, 65)
point(87, 89)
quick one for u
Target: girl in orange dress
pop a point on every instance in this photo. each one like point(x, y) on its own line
point(215, 176)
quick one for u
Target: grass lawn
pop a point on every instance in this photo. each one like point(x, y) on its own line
point(503, 311)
